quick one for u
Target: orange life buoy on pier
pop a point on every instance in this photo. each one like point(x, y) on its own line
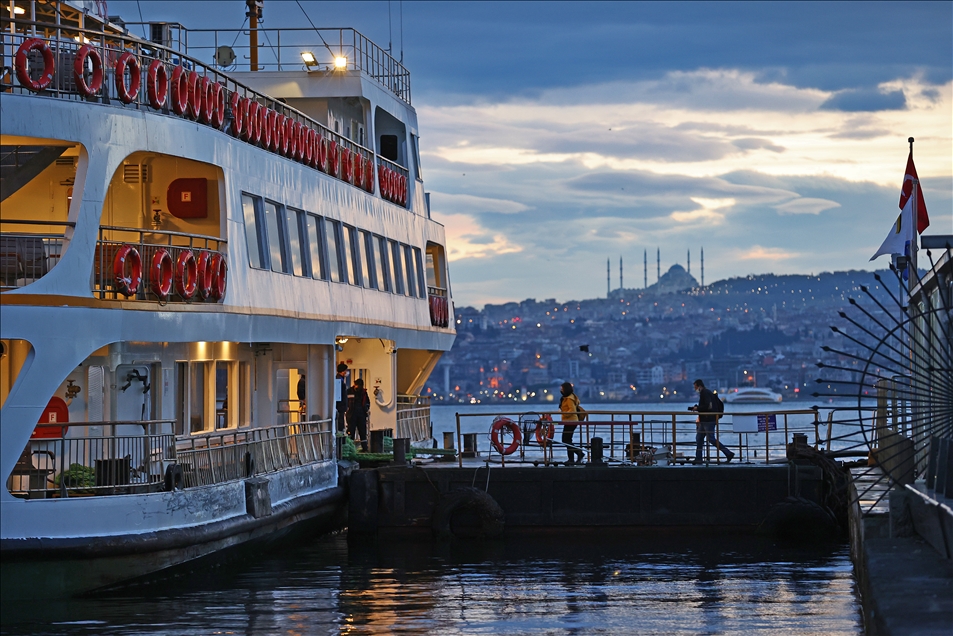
point(238, 106)
point(186, 275)
point(21, 63)
point(127, 270)
point(157, 84)
point(496, 431)
point(88, 89)
point(205, 277)
point(180, 90)
point(128, 94)
point(219, 276)
point(545, 429)
point(160, 275)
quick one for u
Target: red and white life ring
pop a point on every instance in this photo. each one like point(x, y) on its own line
point(218, 102)
point(496, 433)
point(160, 274)
point(324, 154)
point(88, 89)
point(382, 178)
point(196, 96)
point(252, 127)
point(301, 140)
point(267, 120)
point(357, 159)
point(288, 143)
point(205, 104)
point(347, 169)
point(334, 159)
point(128, 94)
point(239, 108)
point(157, 84)
point(21, 63)
point(186, 275)
point(180, 90)
point(205, 277)
point(369, 175)
point(311, 138)
point(127, 270)
point(545, 429)
point(219, 276)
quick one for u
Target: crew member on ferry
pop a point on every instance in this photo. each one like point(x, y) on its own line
point(340, 396)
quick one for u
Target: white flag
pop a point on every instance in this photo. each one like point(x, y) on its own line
point(902, 235)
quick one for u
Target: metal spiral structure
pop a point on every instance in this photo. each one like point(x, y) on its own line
point(897, 359)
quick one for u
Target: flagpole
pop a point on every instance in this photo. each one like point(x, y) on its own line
point(913, 271)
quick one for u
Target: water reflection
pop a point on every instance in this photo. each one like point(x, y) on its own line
point(564, 584)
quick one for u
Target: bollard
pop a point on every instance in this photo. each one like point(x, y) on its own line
point(401, 448)
point(377, 441)
point(469, 445)
point(595, 452)
point(448, 441)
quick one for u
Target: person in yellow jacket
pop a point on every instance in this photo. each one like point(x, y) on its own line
point(571, 412)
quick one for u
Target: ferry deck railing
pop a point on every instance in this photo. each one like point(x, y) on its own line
point(29, 249)
point(147, 243)
point(65, 40)
point(634, 437)
point(413, 417)
point(213, 458)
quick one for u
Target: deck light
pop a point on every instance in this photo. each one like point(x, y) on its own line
point(308, 58)
point(18, 10)
point(340, 61)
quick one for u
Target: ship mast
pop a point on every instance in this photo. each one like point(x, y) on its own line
point(254, 14)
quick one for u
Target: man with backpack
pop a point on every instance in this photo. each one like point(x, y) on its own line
point(709, 405)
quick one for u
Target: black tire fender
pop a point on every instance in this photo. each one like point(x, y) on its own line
point(174, 478)
point(477, 506)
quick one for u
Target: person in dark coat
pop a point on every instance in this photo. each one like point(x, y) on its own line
point(340, 392)
point(359, 404)
point(707, 420)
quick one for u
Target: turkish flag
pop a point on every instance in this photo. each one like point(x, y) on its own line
point(923, 221)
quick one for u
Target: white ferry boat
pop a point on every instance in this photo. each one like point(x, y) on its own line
point(751, 395)
point(188, 249)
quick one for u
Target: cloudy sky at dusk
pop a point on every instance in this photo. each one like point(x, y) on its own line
point(557, 135)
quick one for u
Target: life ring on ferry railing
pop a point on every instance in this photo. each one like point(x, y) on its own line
point(205, 107)
point(251, 122)
point(160, 274)
point(382, 178)
point(218, 100)
point(186, 275)
point(307, 156)
point(195, 96)
point(157, 84)
point(289, 143)
point(279, 134)
point(128, 94)
point(371, 172)
point(204, 276)
point(357, 159)
point(545, 429)
point(347, 169)
point(301, 140)
point(219, 276)
point(79, 71)
point(21, 64)
point(496, 431)
point(238, 106)
point(127, 257)
point(322, 147)
point(180, 90)
point(334, 158)
point(268, 128)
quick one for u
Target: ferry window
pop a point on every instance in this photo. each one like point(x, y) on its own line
point(418, 267)
point(315, 245)
point(251, 206)
point(221, 395)
point(350, 254)
point(398, 270)
point(415, 150)
point(197, 372)
point(409, 270)
point(333, 239)
point(366, 251)
point(273, 231)
point(243, 398)
point(295, 244)
point(382, 262)
point(389, 147)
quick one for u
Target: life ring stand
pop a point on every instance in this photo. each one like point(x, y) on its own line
point(88, 89)
point(219, 276)
point(21, 64)
point(128, 94)
point(205, 277)
point(545, 429)
point(157, 84)
point(160, 275)
point(496, 431)
point(127, 270)
point(186, 275)
point(180, 90)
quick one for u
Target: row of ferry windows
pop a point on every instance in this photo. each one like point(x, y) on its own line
point(296, 242)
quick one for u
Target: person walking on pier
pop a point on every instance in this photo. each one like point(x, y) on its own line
point(707, 420)
point(571, 412)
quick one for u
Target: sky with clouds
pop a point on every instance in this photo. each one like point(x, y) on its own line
point(557, 135)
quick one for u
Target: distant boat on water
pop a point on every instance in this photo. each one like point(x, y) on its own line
point(748, 394)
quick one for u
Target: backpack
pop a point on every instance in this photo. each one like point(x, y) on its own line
point(716, 404)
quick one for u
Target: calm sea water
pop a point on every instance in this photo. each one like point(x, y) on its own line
point(588, 584)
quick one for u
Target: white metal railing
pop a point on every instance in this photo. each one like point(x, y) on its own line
point(413, 417)
point(29, 250)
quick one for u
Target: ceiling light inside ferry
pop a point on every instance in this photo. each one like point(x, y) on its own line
point(18, 10)
point(308, 58)
point(340, 61)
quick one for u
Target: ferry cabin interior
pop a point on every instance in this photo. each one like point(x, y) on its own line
point(284, 251)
